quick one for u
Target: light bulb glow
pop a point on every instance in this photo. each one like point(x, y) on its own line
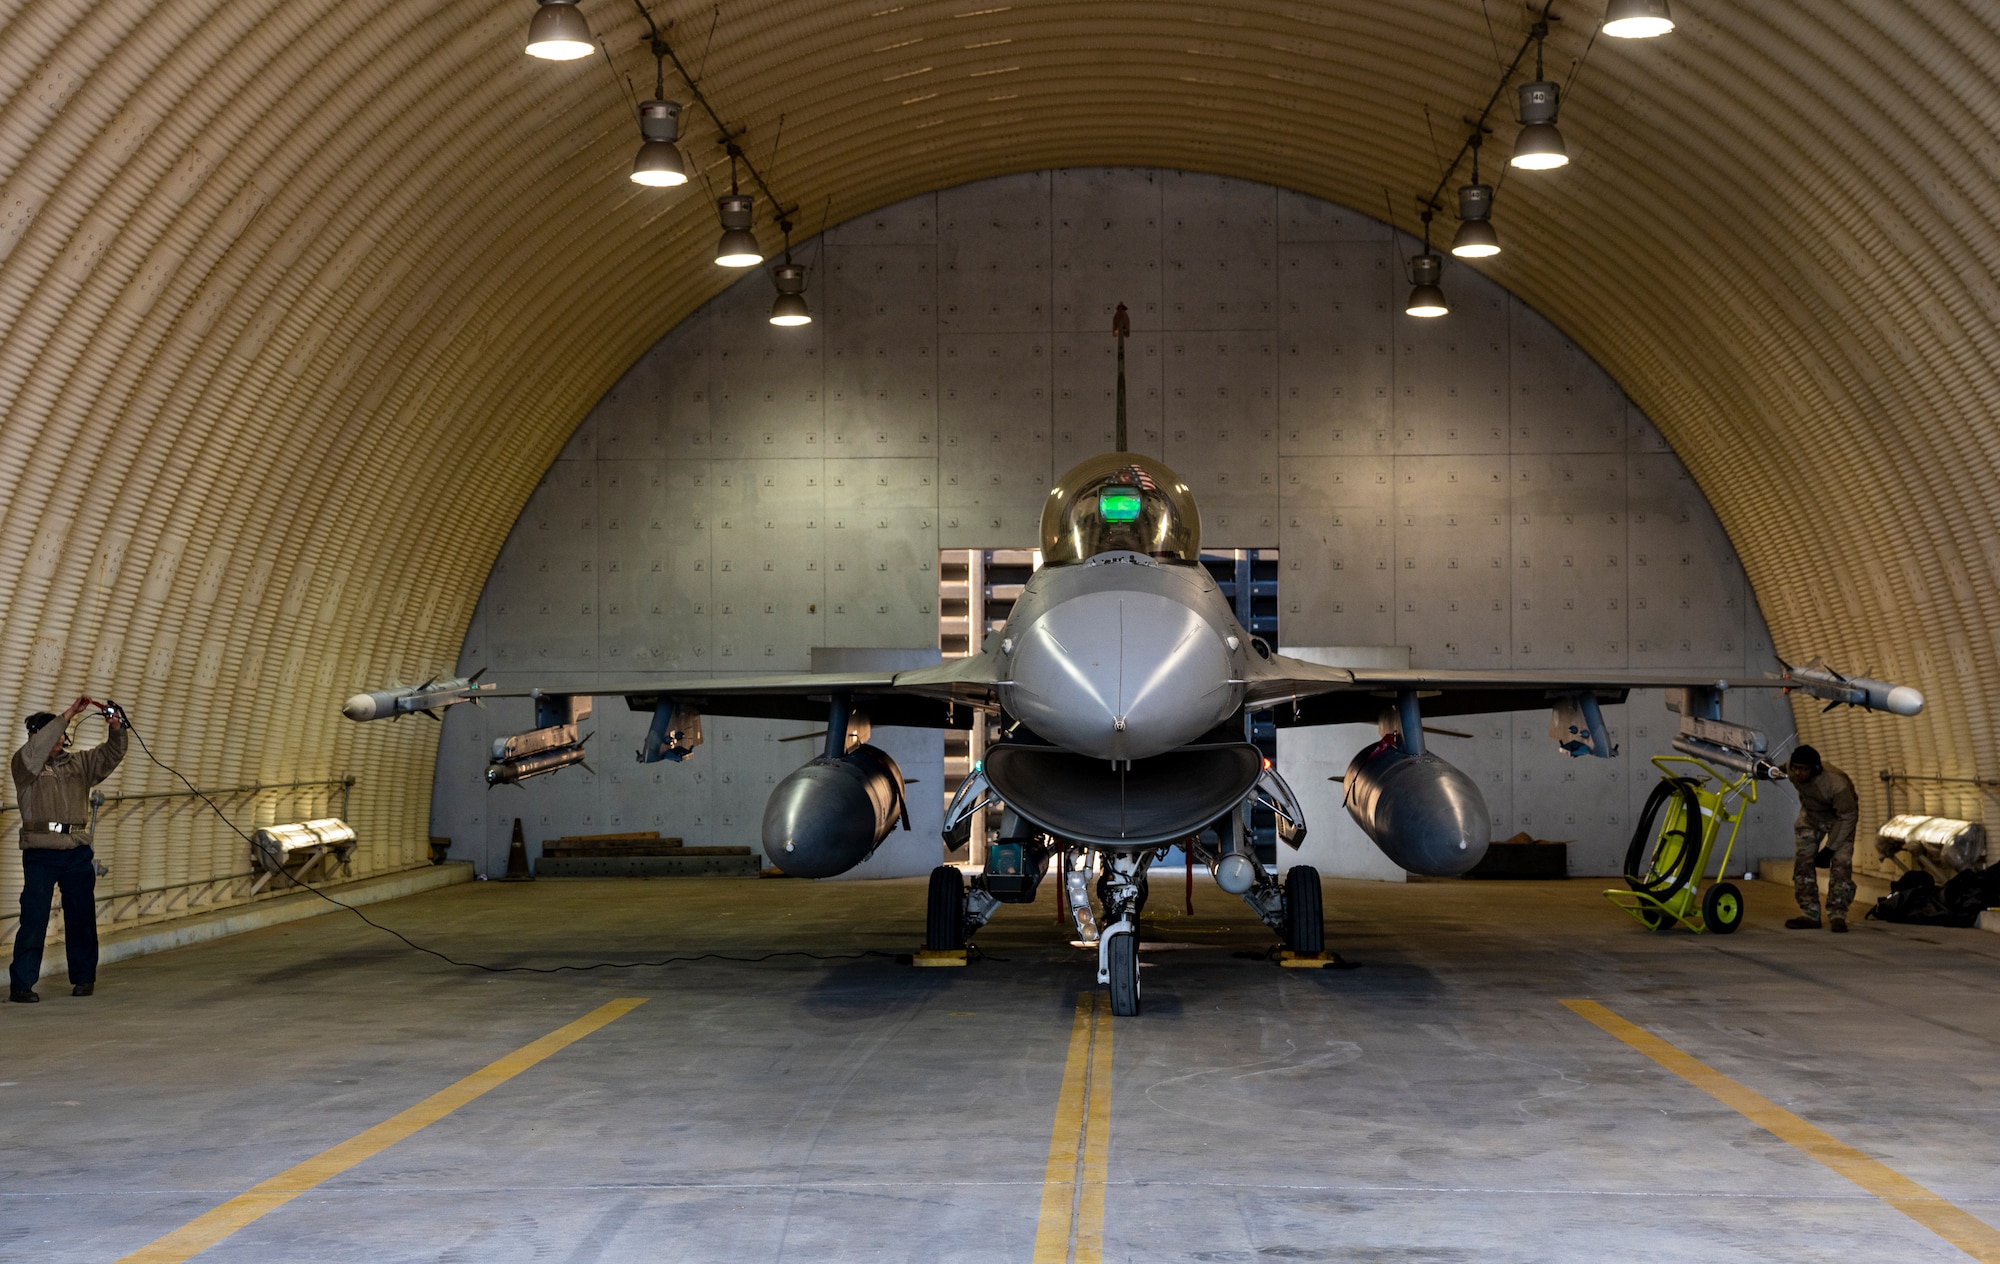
point(1637, 19)
point(1638, 28)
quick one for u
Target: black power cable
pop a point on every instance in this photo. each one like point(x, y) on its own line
point(1647, 878)
point(476, 965)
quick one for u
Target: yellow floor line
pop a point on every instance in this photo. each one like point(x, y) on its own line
point(1963, 1230)
point(1073, 1181)
point(206, 1230)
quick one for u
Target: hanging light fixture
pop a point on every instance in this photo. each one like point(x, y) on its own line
point(738, 248)
point(659, 162)
point(1426, 270)
point(1475, 238)
point(559, 33)
point(1539, 147)
point(790, 307)
point(1637, 19)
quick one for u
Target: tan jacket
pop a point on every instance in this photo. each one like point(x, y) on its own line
point(1828, 806)
point(58, 789)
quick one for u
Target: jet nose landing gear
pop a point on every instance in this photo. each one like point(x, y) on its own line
point(1122, 890)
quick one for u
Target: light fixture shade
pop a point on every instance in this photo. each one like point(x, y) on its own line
point(791, 309)
point(1475, 240)
point(1539, 147)
point(1426, 298)
point(658, 166)
point(738, 249)
point(558, 32)
point(1427, 302)
point(1637, 19)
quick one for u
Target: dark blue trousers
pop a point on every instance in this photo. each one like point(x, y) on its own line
point(42, 872)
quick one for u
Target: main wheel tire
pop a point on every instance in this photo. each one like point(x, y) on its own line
point(1722, 908)
point(944, 925)
point(1305, 923)
point(1123, 958)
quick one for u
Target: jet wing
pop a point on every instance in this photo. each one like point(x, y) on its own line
point(944, 696)
point(1302, 693)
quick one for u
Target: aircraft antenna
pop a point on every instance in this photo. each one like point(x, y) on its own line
point(1121, 329)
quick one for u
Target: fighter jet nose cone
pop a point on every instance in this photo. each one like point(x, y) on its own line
point(360, 707)
point(1121, 675)
point(1904, 700)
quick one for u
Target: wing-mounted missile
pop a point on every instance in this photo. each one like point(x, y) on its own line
point(1737, 747)
point(431, 697)
point(1828, 685)
point(550, 747)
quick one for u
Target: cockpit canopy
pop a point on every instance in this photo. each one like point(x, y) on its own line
point(1120, 502)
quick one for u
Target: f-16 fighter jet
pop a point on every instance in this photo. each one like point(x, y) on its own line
point(1121, 682)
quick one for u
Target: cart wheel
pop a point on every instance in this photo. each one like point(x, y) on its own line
point(1722, 908)
point(1655, 918)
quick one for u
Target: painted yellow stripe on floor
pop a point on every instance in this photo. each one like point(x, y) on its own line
point(204, 1231)
point(1071, 1228)
point(1963, 1230)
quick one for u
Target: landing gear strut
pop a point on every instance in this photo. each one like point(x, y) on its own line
point(1122, 889)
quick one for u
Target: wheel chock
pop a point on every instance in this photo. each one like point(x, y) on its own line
point(1307, 960)
point(938, 957)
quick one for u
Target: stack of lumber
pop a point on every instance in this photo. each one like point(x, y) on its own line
point(640, 855)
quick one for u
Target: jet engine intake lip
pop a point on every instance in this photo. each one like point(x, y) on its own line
point(1165, 797)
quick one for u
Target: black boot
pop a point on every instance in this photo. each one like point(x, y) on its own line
point(1802, 922)
point(83, 989)
point(23, 998)
point(1837, 924)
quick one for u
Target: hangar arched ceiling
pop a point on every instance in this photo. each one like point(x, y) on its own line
point(299, 297)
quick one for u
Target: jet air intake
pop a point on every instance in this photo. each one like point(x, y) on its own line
point(1424, 814)
point(832, 814)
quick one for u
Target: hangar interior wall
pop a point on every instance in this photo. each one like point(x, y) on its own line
point(1476, 488)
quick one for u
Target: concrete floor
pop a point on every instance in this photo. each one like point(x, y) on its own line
point(1437, 1104)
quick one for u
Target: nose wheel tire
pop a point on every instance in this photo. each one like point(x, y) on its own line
point(1122, 959)
point(944, 924)
point(1722, 908)
point(1305, 923)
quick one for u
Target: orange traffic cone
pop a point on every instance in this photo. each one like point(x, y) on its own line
point(517, 858)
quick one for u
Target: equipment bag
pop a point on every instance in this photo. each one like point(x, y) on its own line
point(1916, 899)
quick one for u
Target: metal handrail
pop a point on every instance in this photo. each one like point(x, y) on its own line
point(348, 782)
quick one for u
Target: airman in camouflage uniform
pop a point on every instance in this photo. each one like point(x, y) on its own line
point(1828, 813)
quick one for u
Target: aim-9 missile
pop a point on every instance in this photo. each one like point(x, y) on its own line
point(431, 697)
point(1828, 685)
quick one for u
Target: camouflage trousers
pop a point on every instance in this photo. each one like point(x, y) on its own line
point(1805, 877)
